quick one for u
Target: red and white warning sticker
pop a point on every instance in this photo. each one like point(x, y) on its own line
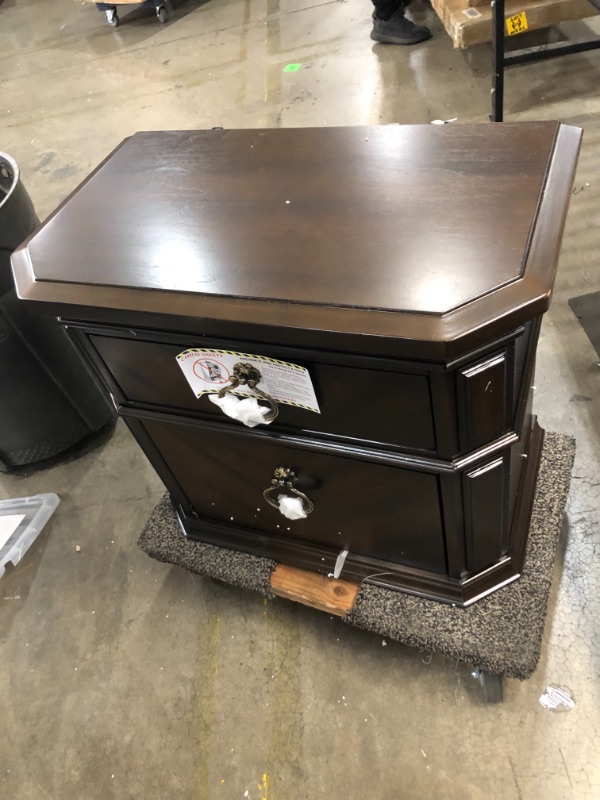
point(208, 371)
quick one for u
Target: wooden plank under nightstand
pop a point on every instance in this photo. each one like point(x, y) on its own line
point(317, 591)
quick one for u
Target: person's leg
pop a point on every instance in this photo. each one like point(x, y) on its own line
point(384, 9)
point(390, 26)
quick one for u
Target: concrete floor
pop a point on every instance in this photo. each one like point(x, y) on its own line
point(125, 678)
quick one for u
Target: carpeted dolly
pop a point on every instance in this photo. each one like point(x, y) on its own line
point(501, 634)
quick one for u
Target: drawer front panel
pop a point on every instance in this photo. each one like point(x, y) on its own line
point(371, 405)
point(372, 509)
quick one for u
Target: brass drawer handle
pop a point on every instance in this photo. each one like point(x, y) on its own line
point(249, 375)
point(285, 478)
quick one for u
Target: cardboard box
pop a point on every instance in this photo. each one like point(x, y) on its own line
point(468, 25)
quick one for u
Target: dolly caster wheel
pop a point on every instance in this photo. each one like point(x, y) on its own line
point(161, 14)
point(112, 18)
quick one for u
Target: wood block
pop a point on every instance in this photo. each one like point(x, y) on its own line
point(314, 590)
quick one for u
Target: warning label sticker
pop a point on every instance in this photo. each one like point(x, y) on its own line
point(209, 371)
point(516, 24)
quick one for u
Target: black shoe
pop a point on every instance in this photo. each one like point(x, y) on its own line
point(398, 30)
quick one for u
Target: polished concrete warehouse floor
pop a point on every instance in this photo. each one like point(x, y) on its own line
point(126, 678)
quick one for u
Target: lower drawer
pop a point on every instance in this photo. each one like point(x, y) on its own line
point(381, 511)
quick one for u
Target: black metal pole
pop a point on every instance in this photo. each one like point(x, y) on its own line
point(497, 61)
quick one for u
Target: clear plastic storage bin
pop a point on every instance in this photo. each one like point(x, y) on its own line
point(21, 520)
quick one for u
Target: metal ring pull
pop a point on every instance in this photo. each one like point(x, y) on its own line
point(285, 478)
point(249, 375)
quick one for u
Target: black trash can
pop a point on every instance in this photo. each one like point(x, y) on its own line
point(49, 401)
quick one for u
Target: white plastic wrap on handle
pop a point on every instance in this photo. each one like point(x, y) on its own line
point(291, 507)
point(247, 411)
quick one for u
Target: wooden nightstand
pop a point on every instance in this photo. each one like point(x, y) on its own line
point(406, 268)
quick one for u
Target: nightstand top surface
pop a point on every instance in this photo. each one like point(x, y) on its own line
point(418, 219)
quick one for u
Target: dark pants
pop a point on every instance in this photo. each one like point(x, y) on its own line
point(384, 9)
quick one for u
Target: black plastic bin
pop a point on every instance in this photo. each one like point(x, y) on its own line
point(49, 401)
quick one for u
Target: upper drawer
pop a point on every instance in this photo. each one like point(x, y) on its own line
point(377, 405)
